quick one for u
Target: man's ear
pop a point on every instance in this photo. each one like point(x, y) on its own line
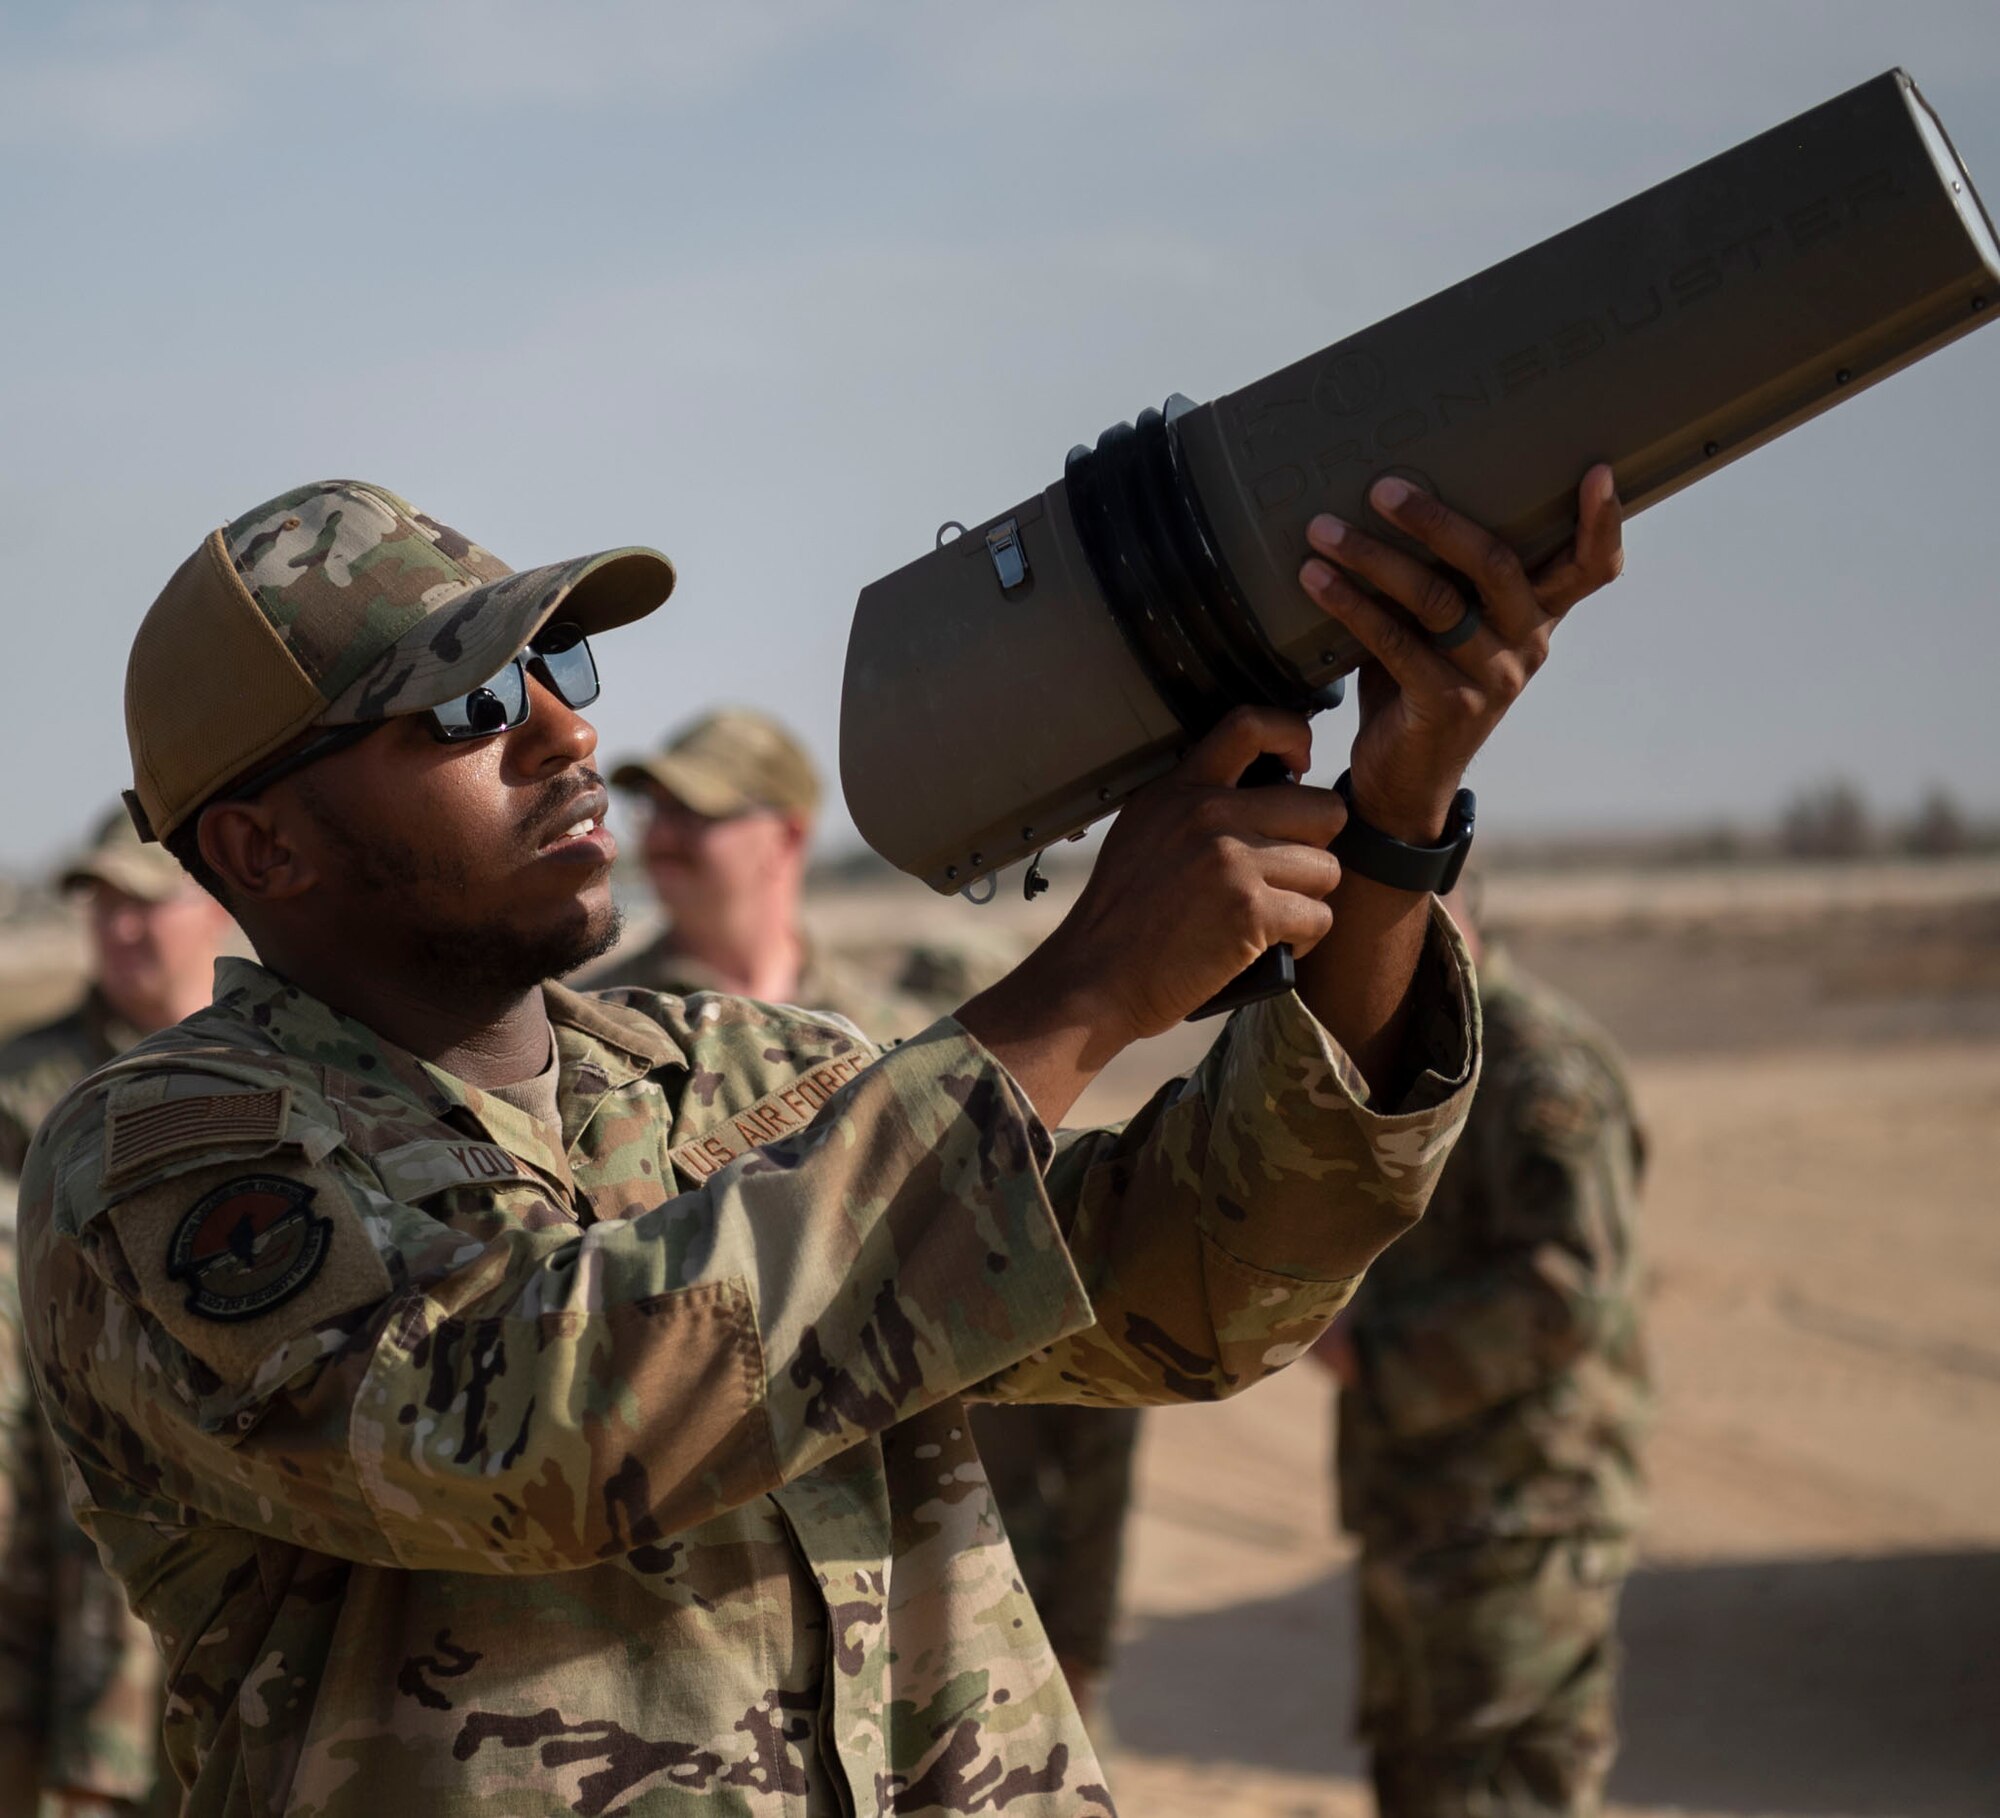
point(798, 829)
point(252, 851)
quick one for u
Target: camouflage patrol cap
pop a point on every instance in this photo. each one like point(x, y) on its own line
point(729, 762)
point(118, 857)
point(330, 605)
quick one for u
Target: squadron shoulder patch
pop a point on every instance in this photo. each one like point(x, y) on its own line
point(250, 1245)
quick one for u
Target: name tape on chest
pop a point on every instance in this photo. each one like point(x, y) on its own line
point(416, 1170)
point(774, 1115)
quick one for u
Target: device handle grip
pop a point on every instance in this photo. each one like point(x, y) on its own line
point(1273, 972)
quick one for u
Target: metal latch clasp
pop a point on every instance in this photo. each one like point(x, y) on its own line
point(1010, 555)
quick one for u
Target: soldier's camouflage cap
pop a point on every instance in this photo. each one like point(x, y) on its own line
point(118, 857)
point(333, 604)
point(729, 762)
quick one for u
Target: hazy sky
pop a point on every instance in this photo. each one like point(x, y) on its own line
point(779, 287)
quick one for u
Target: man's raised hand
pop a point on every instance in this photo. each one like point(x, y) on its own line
point(1196, 879)
point(1428, 702)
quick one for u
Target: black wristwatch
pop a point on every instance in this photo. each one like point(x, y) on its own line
point(1369, 852)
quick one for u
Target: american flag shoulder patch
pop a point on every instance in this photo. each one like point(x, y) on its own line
point(136, 1137)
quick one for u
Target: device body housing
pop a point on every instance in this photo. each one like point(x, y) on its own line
point(1016, 683)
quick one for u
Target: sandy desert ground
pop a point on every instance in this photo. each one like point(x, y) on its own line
point(1816, 1627)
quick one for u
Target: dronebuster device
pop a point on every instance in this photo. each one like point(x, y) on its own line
point(1019, 681)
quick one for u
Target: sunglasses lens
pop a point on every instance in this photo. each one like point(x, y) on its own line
point(498, 704)
point(563, 654)
point(483, 711)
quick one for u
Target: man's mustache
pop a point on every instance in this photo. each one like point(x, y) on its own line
point(562, 802)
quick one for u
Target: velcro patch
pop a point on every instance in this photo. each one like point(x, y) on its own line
point(236, 1269)
point(774, 1115)
point(249, 1247)
point(138, 1136)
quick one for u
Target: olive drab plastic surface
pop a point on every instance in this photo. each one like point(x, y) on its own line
point(1019, 681)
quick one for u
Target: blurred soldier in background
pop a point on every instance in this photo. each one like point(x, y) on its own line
point(79, 1675)
point(153, 937)
point(1493, 1396)
point(731, 802)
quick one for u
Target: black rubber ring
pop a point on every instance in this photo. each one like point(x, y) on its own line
point(1463, 632)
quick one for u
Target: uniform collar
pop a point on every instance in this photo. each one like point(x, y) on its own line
point(600, 1047)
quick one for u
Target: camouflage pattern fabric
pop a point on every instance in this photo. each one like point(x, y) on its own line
point(1488, 1677)
point(462, 1468)
point(39, 1065)
point(1490, 1452)
point(1062, 1476)
point(1063, 1479)
point(386, 609)
point(333, 604)
point(80, 1679)
point(28, 1516)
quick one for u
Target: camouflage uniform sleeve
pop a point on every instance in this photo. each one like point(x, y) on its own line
point(1220, 1231)
point(535, 1400)
point(26, 1560)
point(1540, 1279)
point(79, 1675)
point(105, 1676)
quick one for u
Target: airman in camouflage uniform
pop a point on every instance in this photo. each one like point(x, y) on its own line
point(729, 806)
point(730, 803)
point(1489, 1434)
point(79, 1674)
point(562, 1408)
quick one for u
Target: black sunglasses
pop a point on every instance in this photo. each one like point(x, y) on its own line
point(559, 654)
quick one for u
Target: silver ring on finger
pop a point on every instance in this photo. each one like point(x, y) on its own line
point(1461, 633)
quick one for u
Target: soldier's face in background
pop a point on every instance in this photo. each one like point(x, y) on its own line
point(489, 861)
point(703, 865)
point(146, 953)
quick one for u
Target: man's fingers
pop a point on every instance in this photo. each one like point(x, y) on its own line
point(1475, 552)
point(1294, 813)
point(1389, 639)
point(1247, 734)
point(1433, 599)
point(1600, 537)
point(1305, 872)
point(1596, 556)
point(1299, 917)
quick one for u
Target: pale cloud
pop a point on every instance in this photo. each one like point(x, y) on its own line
point(132, 102)
point(1309, 78)
point(150, 72)
point(1304, 76)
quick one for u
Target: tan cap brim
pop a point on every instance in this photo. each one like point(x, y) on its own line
point(148, 873)
point(471, 640)
point(703, 787)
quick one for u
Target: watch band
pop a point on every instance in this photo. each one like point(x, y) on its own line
point(1369, 852)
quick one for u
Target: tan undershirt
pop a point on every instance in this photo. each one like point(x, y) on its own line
point(537, 1098)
